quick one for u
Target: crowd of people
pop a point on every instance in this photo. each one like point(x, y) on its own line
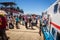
point(14, 21)
point(28, 22)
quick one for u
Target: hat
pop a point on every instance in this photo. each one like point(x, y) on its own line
point(2, 12)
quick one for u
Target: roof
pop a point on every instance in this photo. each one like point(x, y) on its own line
point(7, 3)
point(11, 9)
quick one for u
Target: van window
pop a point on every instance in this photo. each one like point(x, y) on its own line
point(55, 8)
point(58, 36)
point(53, 31)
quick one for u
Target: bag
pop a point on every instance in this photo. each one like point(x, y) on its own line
point(11, 26)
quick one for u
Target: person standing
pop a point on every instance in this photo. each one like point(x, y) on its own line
point(40, 29)
point(14, 21)
point(38, 22)
point(11, 26)
point(30, 19)
point(32, 22)
point(17, 22)
point(26, 22)
point(20, 18)
point(3, 24)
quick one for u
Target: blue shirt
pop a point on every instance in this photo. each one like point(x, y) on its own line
point(17, 19)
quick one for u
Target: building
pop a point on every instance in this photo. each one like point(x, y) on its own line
point(11, 8)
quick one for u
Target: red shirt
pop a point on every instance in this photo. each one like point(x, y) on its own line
point(4, 22)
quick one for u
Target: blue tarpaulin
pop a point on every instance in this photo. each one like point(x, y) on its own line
point(46, 34)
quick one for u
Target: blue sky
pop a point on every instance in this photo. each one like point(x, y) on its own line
point(33, 6)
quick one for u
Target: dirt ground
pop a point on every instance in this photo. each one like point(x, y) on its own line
point(24, 34)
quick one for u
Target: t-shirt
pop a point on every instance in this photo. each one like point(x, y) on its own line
point(33, 21)
point(17, 19)
point(3, 22)
point(45, 21)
